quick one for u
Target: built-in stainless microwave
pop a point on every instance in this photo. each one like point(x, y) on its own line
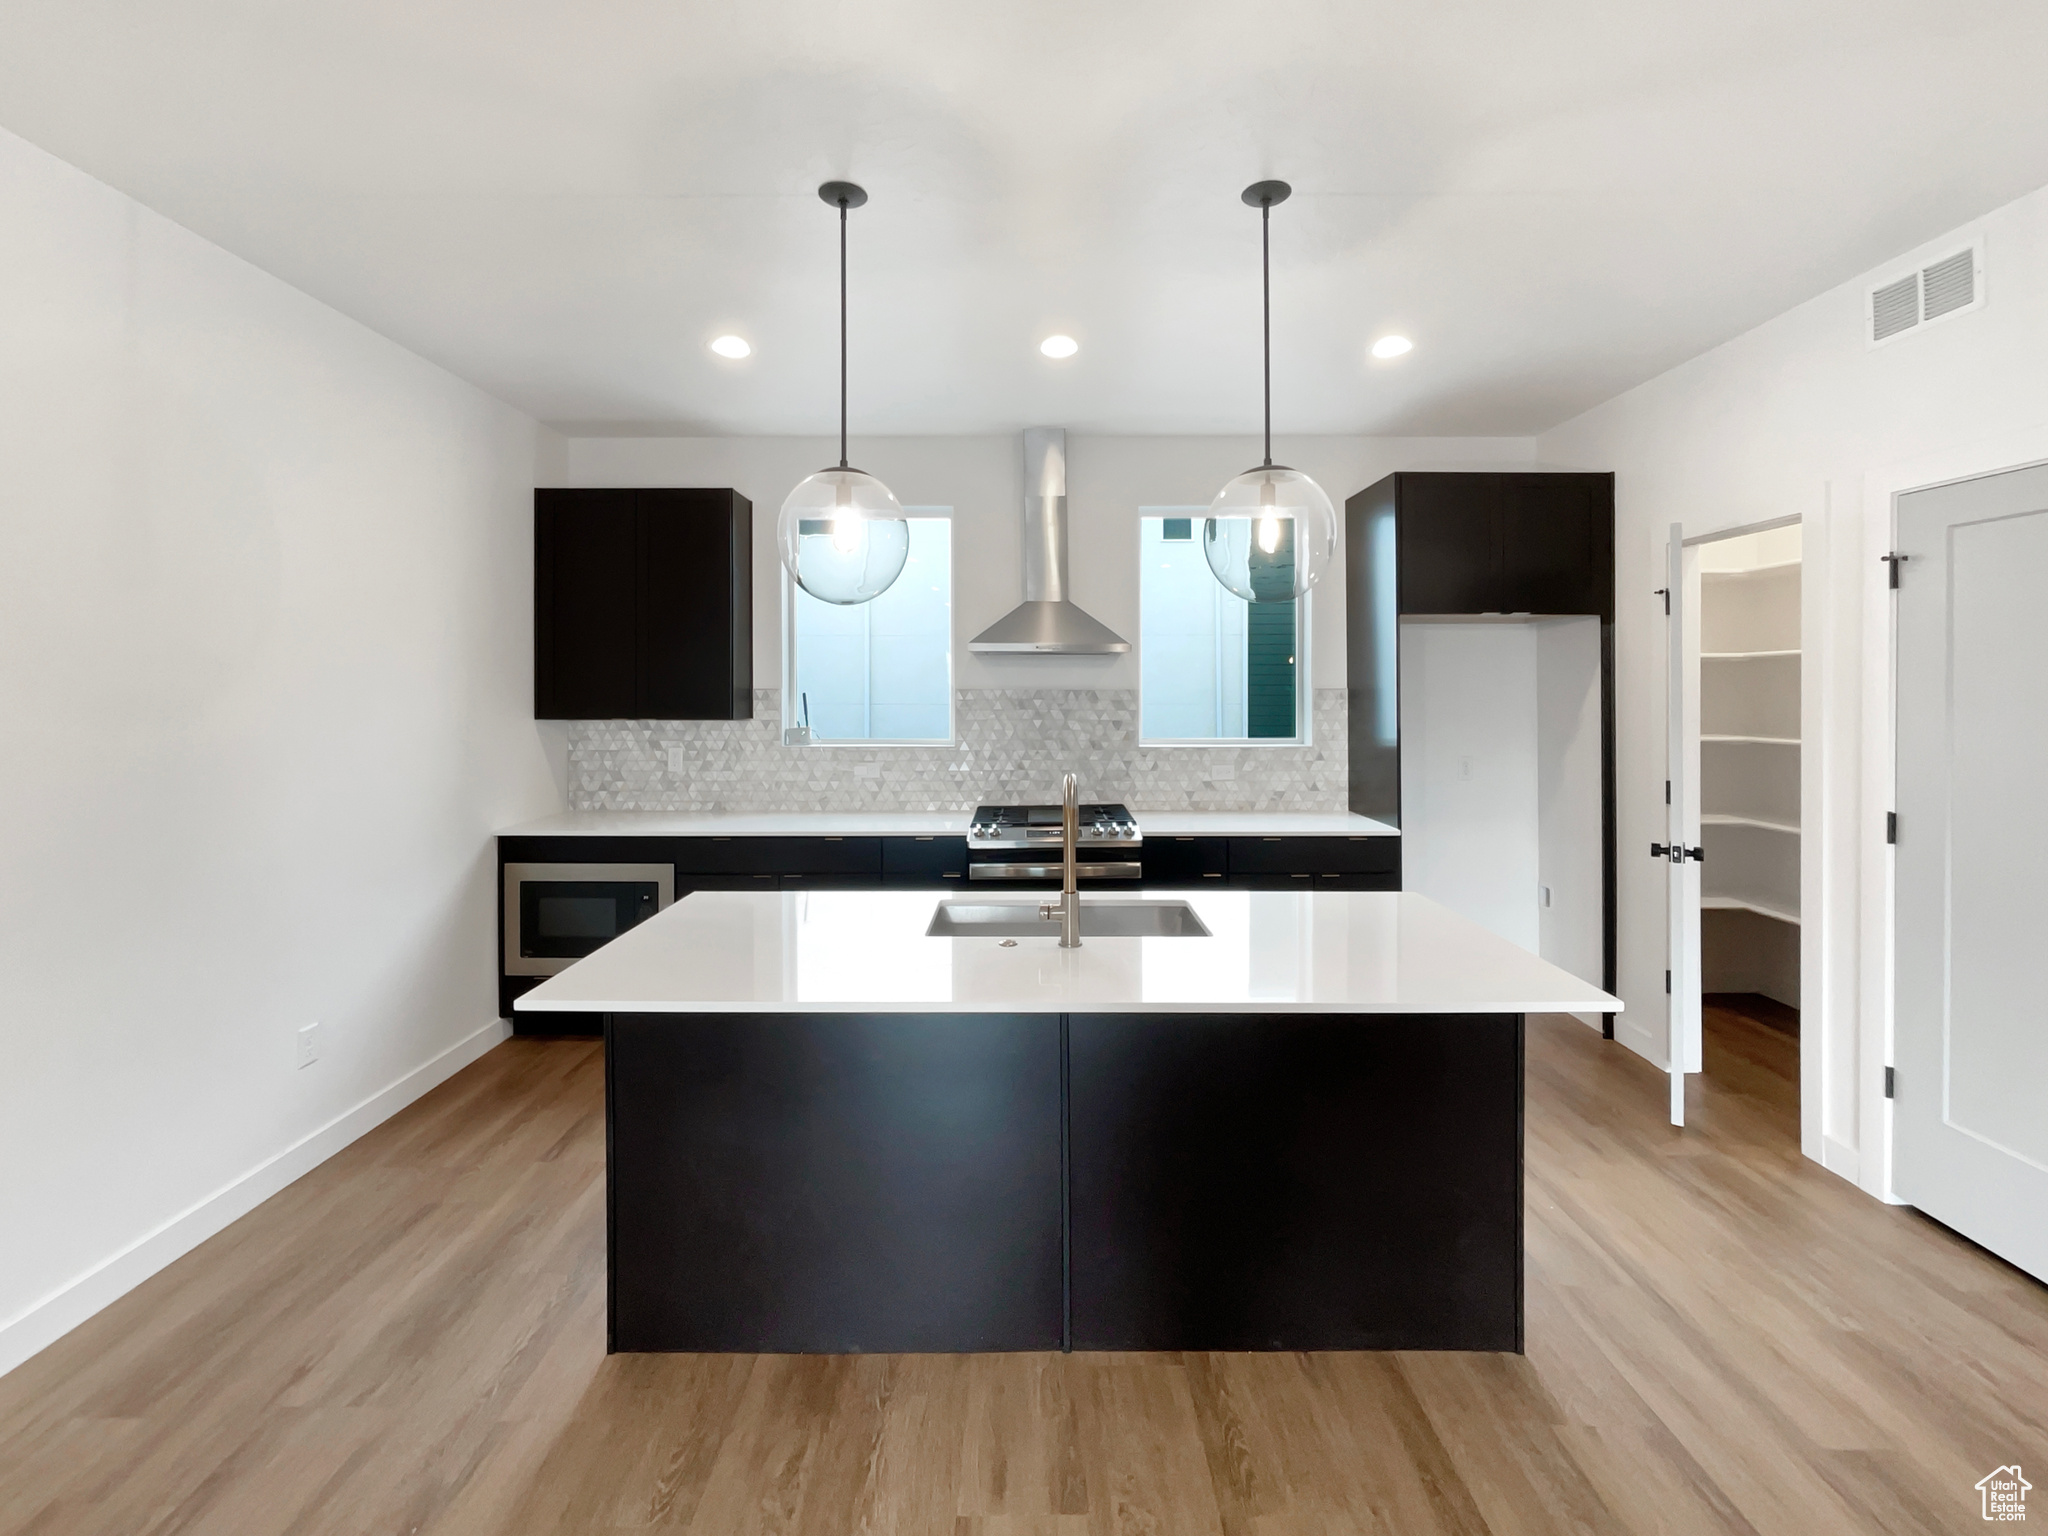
point(555, 914)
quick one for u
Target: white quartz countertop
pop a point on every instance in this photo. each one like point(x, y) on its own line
point(927, 824)
point(866, 952)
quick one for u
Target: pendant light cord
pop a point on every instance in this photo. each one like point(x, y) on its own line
point(1266, 295)
point(842, 342)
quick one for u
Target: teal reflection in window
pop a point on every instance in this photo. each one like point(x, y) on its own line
point(1212, 667)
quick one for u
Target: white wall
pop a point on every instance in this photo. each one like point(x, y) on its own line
point(1469, 798)
point(1798, 417)
point(1568, 827)
point(1108, 480)
point(265, 655)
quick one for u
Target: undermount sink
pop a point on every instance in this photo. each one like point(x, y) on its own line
point(1099, 920)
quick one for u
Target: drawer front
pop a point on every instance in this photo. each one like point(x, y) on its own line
point(1186, 860)
point(703, 882)
point(778, 856)
point(923, 860)
point(1314, 856)
point(1355, 881)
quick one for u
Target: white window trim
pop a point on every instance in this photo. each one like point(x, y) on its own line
point(790, 708)
point(1304, 687)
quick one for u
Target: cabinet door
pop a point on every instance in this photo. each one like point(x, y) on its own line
point(1294, 1181)
point(693, 595)
point(835, 1183)
point(1186, 860)
point(584, 644)
point(1290, 856)
point(1557, 544)
point(1449, 551)
point(924, 860)
point(856, 857)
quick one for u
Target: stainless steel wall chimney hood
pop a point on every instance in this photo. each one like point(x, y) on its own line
point(1045, 623)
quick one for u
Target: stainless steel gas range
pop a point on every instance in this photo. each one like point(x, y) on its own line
point(1022, 842)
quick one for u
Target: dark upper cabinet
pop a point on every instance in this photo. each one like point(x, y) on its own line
point(1556, 542)
point(1540, 543)
point(1448, 547)
point(1457, 543)
point(643, 605)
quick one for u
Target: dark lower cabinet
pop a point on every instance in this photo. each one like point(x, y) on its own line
point(1295, 1181)
point(857, 857)
point(917, 1182)
point(834, 1182)
point(924, 860)
point(1316, 863)
point(1187, 861)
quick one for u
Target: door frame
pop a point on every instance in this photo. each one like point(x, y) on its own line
point(1813, 992)
point(1868, 1159)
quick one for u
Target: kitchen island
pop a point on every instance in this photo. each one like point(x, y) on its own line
point(1297, 1128)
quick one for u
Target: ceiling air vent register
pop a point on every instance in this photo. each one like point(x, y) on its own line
point(1901, 305)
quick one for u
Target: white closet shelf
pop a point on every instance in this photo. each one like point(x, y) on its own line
point(1743, 655)
point(1719, 819)
point(1775, 741)
point(1744, 904)
point(1754, 570)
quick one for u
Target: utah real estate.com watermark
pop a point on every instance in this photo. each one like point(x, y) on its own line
point(2005, 1494)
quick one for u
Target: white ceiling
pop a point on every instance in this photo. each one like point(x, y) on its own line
point(564, 203)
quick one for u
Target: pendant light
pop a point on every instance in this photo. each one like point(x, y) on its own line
point(1272, 530)
point(841, 532)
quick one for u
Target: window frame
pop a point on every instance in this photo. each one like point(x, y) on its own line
point(790, 707)
point(1304, 627)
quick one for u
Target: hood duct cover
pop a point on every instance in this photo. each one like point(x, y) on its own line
point(1046, 623)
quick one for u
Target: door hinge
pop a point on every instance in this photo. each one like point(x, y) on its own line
point(1665, 593)
point(1894, 561)
point(1667, 981)
point(1891, 1081)
point(1891, 826)
point(1667, 791)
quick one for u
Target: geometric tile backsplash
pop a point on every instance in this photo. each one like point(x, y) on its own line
point(1013, 744)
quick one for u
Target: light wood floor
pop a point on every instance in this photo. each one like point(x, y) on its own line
point(1722, 1337)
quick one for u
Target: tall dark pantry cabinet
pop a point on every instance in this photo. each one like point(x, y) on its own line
point(1472, 545)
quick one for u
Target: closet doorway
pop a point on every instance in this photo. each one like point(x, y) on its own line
point(1737, 741)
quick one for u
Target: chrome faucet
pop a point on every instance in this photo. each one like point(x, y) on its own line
point(1069, 907)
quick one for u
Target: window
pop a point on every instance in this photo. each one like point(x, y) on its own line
point(1213, 667)
point(881, 670)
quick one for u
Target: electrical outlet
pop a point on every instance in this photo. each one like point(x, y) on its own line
point(309, 1044)
point(677, 759)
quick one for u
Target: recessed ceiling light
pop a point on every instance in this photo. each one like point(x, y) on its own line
point(732, 346)
point(1059, 346)
point(1392, 346)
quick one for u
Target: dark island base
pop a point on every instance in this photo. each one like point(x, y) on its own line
point(838, 1183)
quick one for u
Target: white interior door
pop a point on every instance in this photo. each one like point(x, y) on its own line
point(1971, 1022)
point(1680, 848)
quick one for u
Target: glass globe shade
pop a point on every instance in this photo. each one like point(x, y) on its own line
point(1270, 535)
point(843, 537)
